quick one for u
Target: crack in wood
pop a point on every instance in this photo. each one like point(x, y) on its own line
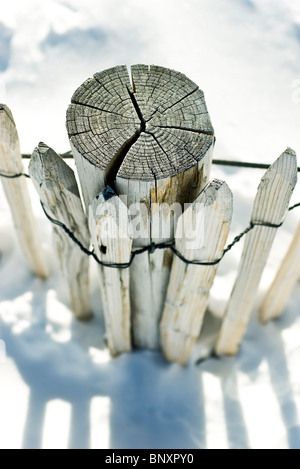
point(116, 162)
point(113, 167)
point(138, 110)
point(121, 137)
point(205, 132)
point(94, 107)
point(162, 149)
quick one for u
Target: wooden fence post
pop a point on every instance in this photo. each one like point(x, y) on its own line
point(17, 194)
point(283, 283)
point(201, 234)
point(56, 185)
point(109, 227)
point(270, 206)
point(151, 141)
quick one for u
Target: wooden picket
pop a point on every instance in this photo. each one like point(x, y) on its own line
point(56, 185)
point(17, 195)
point(284, 281)
point(270, 206)
point(110, 230)
point(201, 234)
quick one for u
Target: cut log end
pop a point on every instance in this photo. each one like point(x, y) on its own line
point(154, 129)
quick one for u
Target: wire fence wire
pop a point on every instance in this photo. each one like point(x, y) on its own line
point(151, 248)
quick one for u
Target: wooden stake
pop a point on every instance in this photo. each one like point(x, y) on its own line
point(270, 206)
point(56, 185)
point(17, 194)
point(150, 139)
point(201, 234)
point(286, 278)
point(109, 225)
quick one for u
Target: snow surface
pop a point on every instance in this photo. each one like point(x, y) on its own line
point(59, 387)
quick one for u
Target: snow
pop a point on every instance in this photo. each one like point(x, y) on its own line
point(59, 387)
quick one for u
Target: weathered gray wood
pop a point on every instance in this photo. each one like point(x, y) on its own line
point(110, 229)
point(56, 185)
point(151, 140)
point(270, 206)
point(283, 283)
point(154, 129)
point(17, 194)
point(201, 234)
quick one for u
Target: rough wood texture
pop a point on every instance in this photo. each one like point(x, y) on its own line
point(56, 185)
point(156, 127)
point(150, 140)
point(109, 225)
point(200, 235)
point(270, 206)
point(285, 280)
point(17, 194)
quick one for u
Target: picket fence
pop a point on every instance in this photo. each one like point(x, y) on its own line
point(154, 288)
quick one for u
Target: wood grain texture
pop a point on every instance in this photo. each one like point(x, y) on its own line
point(200, 235)
point(16, 192)
point(270, 206)
point(110, 228)
point(56, 185)
point(283, 283)
point(156, 127)
point(149, 137)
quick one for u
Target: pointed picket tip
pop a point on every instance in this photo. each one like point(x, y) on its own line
point(9, 135)
point(285, 166)
point(4, 109)
point(215, 190)
point(108, 194)
point(108, 202)
point(217, 193)
point(47, 167)
point(290, 151)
